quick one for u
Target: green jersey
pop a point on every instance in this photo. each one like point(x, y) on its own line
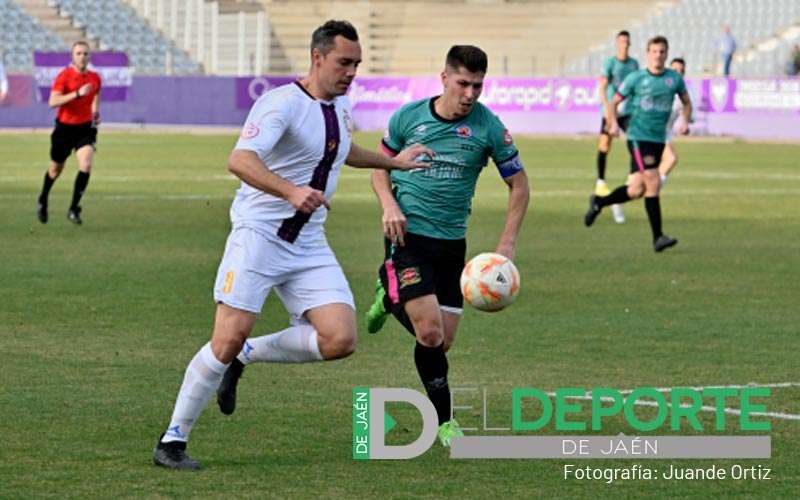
point(437, 201)
point(651, 99)
point(615, 72)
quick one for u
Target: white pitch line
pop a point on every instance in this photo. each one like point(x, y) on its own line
point(731, 411)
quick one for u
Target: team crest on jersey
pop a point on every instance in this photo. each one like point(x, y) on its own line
point(249, 131)
point(464, 132)
point(507, 139)
point(409, 276)
point(669, 82)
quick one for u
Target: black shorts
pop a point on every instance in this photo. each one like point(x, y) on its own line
point(621, 120)
point(424, 266)
point(65, 138)
point(645, 155)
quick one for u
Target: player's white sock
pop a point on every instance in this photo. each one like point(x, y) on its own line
point(202, 378)
point(296, 344)
point(663, 180)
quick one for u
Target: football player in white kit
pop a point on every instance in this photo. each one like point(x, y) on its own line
point(289, 155)
point(670, 156)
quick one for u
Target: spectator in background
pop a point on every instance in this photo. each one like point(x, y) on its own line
point(727, 47)
point(3, 80)
point(794, 61)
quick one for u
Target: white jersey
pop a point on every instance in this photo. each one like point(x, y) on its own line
point(677, 107)
point(303, 140)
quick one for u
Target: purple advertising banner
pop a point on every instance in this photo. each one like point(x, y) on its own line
point(115, 74)
point(758, 108)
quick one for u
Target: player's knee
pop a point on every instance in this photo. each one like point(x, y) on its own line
point(338, 343)
point(429, 333)
point(635, 191)
point(55, 169)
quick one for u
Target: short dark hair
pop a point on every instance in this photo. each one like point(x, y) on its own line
point(323, 37)
point(658, 40)
point(467, 56)
point(678, 60)
point(623, 33)
point(80, 42)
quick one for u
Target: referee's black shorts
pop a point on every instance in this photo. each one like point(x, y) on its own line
point(66, 138)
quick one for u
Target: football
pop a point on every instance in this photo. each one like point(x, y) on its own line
point(490, 282)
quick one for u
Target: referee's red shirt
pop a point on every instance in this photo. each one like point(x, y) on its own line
point(77, 110)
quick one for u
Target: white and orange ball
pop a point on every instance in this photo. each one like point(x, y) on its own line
point(490, 282)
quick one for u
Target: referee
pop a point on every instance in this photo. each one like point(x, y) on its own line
point(76, 94)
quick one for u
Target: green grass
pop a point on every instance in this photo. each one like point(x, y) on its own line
point(98, 322)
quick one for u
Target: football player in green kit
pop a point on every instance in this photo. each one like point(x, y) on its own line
point(615, 69)
point(425, 216)
point(651, 91)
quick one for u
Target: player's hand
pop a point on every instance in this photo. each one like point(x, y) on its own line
point(414, 156)
point(506, 250)
point(683, 129)
point(96, 119)
point(307, 199)
point(85, 89)
point(394, 224)
point(613, 129)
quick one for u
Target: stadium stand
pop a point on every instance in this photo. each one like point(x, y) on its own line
point(117, 27)
point(534, 37)
point(228, 37)
point(20, 35)
point(694, 28)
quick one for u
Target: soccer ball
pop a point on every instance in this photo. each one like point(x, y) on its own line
point(490, 282)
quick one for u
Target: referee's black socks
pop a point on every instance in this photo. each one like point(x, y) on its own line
point(48, 183)
point(81, 181)
point(653, 207)
point(432, 368)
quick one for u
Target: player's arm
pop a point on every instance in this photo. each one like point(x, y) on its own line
point(393, 220)
point(96, 109)
point(247, 166)
point(603, 87)
point(611, 114)
point(518, 198)
point(686, 112)
point(359, 157)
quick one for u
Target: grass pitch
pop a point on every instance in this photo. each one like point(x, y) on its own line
point(98, 322)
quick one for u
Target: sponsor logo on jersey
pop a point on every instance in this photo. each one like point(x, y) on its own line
point(249, 131)
point(409, 276)
point(464, 132)
point(228, 282)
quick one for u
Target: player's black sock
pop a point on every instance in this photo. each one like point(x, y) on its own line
point(653, 207)
point(48, 183)
point(432, 368)
point(619, 195)
point(81, 181)
point(601, 165)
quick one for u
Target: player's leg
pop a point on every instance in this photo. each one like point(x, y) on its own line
point(379, 310)
point(631, 190)
point(60, 148)
point(652, 205)
point(85, 155)
point(200, 381)
point(603, 147)
point(668, 161)
point(323, 325)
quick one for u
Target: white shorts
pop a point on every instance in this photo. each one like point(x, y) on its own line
point(303, 277)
